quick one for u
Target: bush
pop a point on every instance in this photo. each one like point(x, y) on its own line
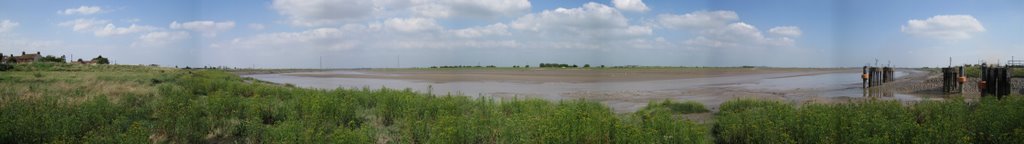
point(101, 60)
point(53, 59)
point(6, 67)
point(687, 107)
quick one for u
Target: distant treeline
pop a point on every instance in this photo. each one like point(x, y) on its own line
point(558, 65)
point(542, 65)
point(463, 66)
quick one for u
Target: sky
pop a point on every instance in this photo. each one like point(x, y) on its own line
point(423, 33)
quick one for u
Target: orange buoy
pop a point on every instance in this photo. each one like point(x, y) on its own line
point(865, 76)
point(963, 80)
point(981, 85)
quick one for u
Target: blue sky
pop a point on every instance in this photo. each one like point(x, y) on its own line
point(413, 33)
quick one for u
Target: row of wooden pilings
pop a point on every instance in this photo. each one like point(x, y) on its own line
point(876, 76)
point(953, 79)
point(995, 81)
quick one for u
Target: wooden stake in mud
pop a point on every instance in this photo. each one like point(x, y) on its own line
point(864, 77)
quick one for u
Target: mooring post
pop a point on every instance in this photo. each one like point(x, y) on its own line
point(864, 77)
point(982, 83)
point(963, 80)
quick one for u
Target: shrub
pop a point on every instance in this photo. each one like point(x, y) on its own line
point(6, 67)
point(680, 108)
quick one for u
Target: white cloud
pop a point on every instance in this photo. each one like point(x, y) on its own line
point(738, 35)
point(631, 5)
point(159, 39)
point(313, 13)
point(412, 24)
point(723, 29)
point(483, 9)
point(257, 26)
point(494, 29)
point(327, 38)
point(208, 28)
point(82, 10)
point(590, 16)
point(321, 12)
point(79, 25)
point(786, 31)
point(107, 29)
point(594, 21)
point(112, 30)
point(7, 25)
point(949, 27)
point(697, 20)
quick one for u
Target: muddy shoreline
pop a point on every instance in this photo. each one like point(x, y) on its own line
point(624, 90)
point(627, 90)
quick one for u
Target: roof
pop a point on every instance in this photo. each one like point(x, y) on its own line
point(27, 57)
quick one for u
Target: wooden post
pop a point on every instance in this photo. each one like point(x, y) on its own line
point(864, 77)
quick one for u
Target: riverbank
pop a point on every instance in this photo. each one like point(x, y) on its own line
point(625, 90)
point(60, 103)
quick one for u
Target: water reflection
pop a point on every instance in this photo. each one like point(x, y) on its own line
point(878, 92)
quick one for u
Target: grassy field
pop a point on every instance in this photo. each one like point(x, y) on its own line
point(57, 103)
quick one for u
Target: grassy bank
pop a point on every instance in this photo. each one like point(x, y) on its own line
point(872, 121)
point(132, 104)
point(56, 103)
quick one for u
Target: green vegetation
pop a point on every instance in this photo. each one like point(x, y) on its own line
point(101, 60)
point(65, 103)
point(62, 103)
point(554, 65)
point(5, 67)
point(687, 107)
point(462, 66)
point(51, 58)
point(975, 72)
point(872, 121)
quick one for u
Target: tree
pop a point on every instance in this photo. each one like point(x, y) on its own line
point(10, 59)
point(575, 66)
point(101, 60)
point(51, 58)
point(586, 65)
point(602, 66)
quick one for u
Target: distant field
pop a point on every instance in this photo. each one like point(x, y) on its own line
point(58, 103)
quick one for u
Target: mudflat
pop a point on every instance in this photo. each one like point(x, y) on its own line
point(546, 75)
point(625, 89)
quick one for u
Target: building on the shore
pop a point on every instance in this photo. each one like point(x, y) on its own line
point(24, 58)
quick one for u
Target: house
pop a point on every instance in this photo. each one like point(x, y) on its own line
point(27, 58)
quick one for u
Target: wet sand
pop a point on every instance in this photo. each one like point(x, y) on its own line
point(545, 75)
point(625, 90)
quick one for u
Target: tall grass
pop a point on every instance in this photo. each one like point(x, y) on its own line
point(56, 103)
point(687, 107)
point(44, 103)
point(872, 121)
